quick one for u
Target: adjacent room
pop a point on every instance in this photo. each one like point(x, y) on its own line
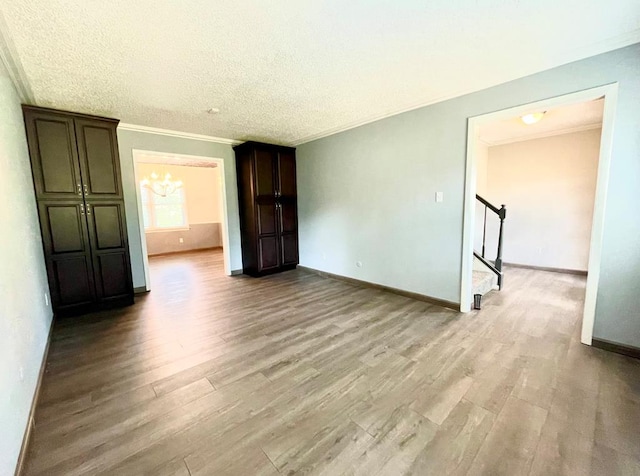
point(541, 170)
point(329, 238)
point(181, 205)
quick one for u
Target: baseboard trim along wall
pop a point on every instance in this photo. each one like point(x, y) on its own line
point(617, 348)
point(357, 282)
point(26, 439)
point(236, 272)
point(578, 272)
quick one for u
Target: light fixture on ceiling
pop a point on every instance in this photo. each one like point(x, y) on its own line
point(532, 117)
point(162, 187)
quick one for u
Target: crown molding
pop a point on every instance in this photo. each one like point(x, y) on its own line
point(171, 133)
point(11, 61)
point(542, 135)
point(578, 54)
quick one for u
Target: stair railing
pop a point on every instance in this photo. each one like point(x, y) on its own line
point(496, 266)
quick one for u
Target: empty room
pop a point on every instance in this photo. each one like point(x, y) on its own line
point(322, 237)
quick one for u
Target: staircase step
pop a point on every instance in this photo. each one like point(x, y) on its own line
point(482, 282)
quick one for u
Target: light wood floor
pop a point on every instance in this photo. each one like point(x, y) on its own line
point(295, 373)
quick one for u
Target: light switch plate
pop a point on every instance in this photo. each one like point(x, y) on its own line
point(439, 197)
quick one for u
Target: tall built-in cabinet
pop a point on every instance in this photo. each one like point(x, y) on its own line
point(78, 187)
point(268, 202)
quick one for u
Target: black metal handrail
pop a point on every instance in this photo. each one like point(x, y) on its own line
point(496, 267)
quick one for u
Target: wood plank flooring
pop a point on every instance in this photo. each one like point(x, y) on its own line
point(298, 374)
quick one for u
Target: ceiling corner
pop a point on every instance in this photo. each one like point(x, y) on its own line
point(11, 61)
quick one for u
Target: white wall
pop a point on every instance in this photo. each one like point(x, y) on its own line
point(482, 168)
point(24, 318)
point(130, 140)
point(367, 194)
point(549, 188)
point(201, 188)
point(482, 164)
point(203, 195)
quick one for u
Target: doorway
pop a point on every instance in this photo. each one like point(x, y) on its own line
point(182, 208)
point(476, 125)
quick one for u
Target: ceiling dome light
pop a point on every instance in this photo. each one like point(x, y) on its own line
point(533, 117)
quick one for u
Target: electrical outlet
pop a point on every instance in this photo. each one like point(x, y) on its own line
point(181, 240)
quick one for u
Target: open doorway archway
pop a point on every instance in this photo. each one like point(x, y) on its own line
point(609, 93)
point(139, 156)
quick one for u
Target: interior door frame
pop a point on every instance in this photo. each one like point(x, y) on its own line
point(610, 94)
point(224, 212)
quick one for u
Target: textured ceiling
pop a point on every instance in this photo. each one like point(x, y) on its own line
point(572, 118)
point(291, 70)
point(174, 160)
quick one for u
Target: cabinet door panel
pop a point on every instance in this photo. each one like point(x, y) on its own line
point(266, 216)
point(63, 227)
point(268, 253)
point(110, 252)
point(54, 159)
point(98, 152)
point(71, 281)
point(288, 217)
point(107, 225)
point(287, 174)
point(113, 275)
point(67, 251)
point(265, 167)
point(289, 247)
point(66, 229)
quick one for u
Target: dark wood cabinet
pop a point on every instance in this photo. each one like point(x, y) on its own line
point(268, 207)
point(97, 147)
point(76, 176)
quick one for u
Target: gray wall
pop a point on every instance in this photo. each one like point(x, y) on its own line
point(24, 318)
point(367, 194)
point(129, 140)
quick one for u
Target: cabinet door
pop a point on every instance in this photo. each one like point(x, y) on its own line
point(287, 174)
point(266, 217)
point(268, 255)
point(99, 161)
point(67, 250)
point(288, 232)
point(107, 230)
point(54, 159)
point(267, 227)
point(265, 164)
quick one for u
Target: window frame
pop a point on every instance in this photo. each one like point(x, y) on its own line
point(150, 207)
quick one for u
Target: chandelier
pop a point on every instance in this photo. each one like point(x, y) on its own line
point(162, 187)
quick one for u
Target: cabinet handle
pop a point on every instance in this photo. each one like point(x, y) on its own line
point(80, 190)
point(81, 209)
point(85, 189)
point(88, 209)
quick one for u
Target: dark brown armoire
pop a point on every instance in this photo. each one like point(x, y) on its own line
point(268, 203)
point(76, 176)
